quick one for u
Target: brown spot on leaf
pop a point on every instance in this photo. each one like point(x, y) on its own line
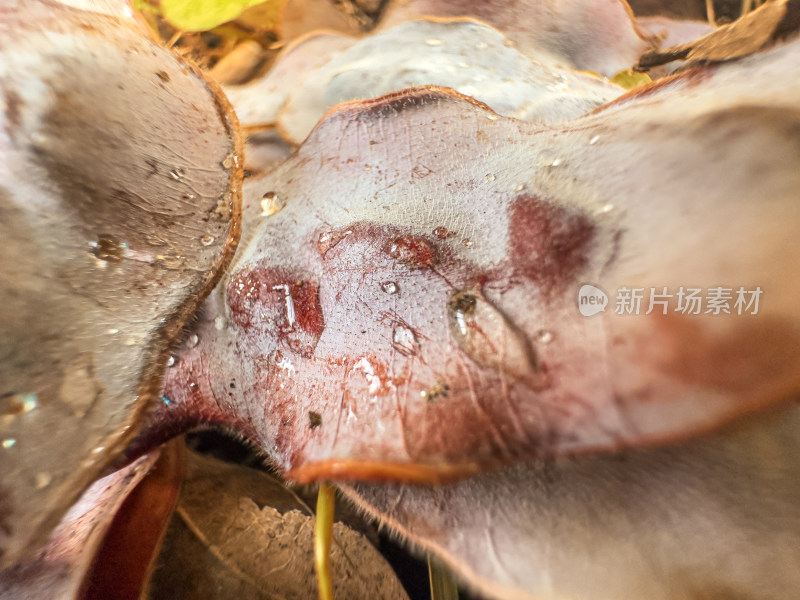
point(550, 243)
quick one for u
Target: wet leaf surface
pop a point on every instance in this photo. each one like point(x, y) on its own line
point(404, 306)
point(119, 207)
point(464, 55)
point(579, 34)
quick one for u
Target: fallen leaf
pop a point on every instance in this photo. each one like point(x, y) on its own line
point(120, 206)
point(124, 563)
point(746, 35)
point(571, 34)
point(58, 569)
point(302, 17)
point(239, 533)
point(465, 55)
point(404, 305)
point(257, 103)
point(711, 518)
point(202, 15)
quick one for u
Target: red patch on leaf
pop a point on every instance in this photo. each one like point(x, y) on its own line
point(550, 244)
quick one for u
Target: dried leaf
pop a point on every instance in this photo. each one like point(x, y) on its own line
point(240, 534)
point(118, 208)
point(746, 35)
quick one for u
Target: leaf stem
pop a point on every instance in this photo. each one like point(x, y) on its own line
point(323, 533)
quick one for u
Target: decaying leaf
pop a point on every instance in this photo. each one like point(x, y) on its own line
point(465, 55)
point(748, 34)
point(672, 32)
point(239, 534)
point(578, 34)
point(713, 518)
point(119, 205)
point(405, 302)
point(258, 102)
point(59, 568)
point(124, 563)
point(301, 17)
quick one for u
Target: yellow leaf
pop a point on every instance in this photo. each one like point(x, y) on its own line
point(630, 79)
point(202, 15)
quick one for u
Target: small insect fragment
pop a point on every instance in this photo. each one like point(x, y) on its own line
point(438, 390)
point(314, 419)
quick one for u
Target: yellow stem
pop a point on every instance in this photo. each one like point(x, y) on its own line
point(322, 540)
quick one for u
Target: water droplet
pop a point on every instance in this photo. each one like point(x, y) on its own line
point(207, 240)
point(404, 341)
point(17, 404)
point(466, 242)
point(220, 323)
point(519, 187)
point(608, 207)
point(170, 361)
point(113, 331)
point(171, 262)
point(390, 287)
point(9, 443)
point(177, 173)
point(594, 139)
point(555, 162)
point(192, 341)
point(330, 239)
point(98, 450)
point(29, 402)
point(270, 204)
point(491, 117)
point(42, 480)
point(441, 232)
point(109, 248)
point(486, 335)
point(489, 177)
point(433, 42)
point(544, 336)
